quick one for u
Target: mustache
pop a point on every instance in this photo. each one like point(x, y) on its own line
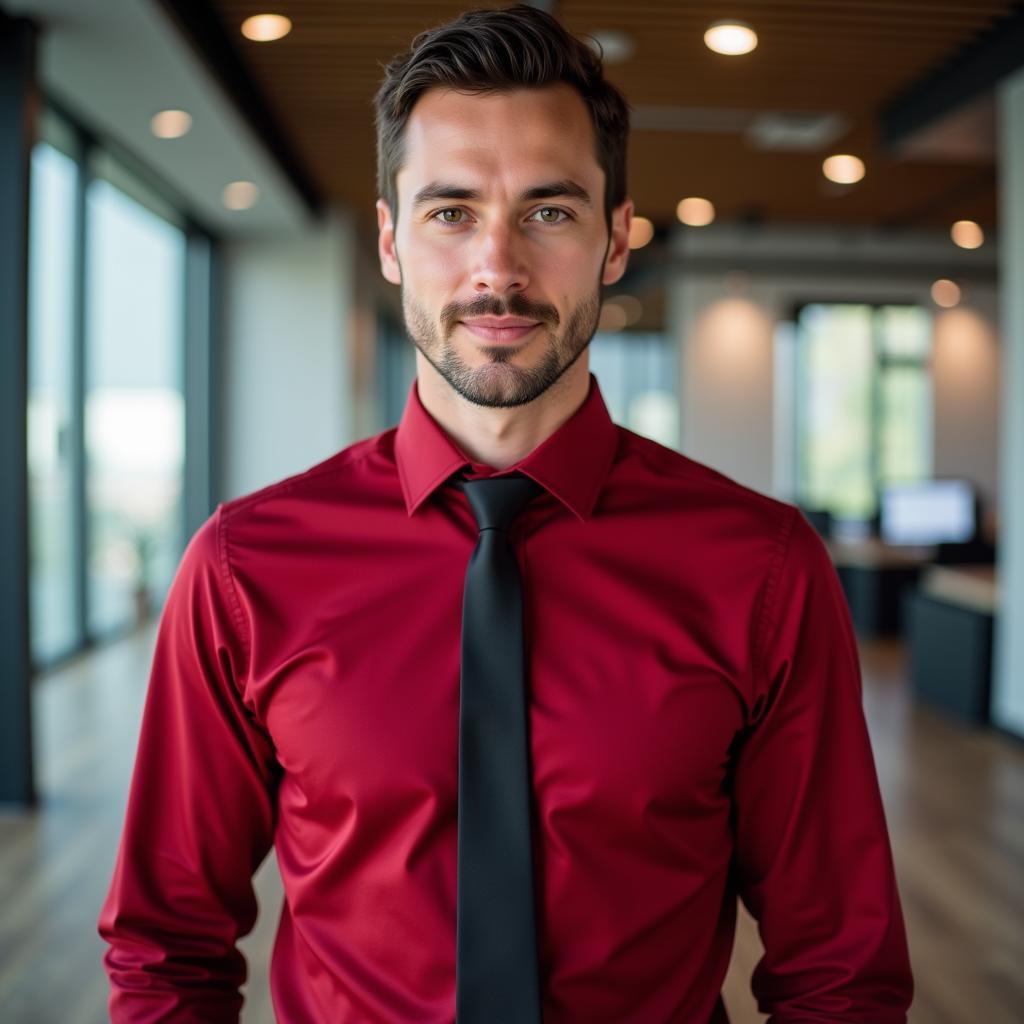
point(491, 305)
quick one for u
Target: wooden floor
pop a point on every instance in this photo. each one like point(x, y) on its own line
point(954, 798)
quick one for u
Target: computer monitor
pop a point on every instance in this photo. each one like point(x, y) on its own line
point(931, 512)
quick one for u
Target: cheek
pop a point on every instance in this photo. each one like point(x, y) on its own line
point(430, 265)
point(576, 261)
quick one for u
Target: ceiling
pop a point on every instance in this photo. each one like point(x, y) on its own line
point(693, 109)
point(112, 64)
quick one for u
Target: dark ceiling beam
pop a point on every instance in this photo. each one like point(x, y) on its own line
point(218, 50)
point(973, 184)
point(973, 70)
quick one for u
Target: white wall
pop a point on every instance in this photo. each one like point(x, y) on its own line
point(290, 319)
point(727, 326)
point(726, 366)
point(965, 372)
point(1008, 684)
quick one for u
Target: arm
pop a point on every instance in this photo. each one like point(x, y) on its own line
point(812, 850)
point(200, 812)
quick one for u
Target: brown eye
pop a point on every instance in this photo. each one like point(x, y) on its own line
point(452, 215)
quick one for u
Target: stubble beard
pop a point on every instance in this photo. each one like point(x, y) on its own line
point(499, 383)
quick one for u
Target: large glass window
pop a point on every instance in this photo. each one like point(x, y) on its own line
point(134, 405)
point(53, 556)
point(864, 403)
point(108, 259)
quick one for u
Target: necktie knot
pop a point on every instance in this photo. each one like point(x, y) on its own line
point(497, 500)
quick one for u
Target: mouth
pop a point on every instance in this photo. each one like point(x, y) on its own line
point(493, 332)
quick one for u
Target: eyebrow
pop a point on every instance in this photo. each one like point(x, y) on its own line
point(565, 189)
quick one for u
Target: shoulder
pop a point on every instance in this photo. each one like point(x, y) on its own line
point(335, 475)
point(723, 507)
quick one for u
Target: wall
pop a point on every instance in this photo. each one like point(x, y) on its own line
point(290, 313)
point(965, 371)
point(726, 368)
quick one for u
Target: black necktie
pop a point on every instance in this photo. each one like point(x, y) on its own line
point(496, 979)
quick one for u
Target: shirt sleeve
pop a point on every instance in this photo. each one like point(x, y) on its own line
point(200, 813)
point(813, 859)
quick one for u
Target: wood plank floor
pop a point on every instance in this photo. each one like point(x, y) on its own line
point(954, 799)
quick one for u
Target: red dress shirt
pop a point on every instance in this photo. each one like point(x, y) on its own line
point(696, 732)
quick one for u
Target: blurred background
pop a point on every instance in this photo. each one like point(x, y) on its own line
point(825, 302)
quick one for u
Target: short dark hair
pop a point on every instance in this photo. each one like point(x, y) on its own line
point(488, 51)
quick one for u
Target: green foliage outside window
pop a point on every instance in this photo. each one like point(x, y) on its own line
point(864, 403)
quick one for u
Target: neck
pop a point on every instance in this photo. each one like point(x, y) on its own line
point(499, 438)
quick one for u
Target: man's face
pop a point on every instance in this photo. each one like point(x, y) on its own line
point(501, 245)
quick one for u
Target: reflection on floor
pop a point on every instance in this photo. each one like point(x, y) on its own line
point(954, 799)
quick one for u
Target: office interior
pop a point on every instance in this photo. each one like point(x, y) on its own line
point(825, 301)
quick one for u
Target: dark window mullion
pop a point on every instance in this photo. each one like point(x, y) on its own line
point(18, 38)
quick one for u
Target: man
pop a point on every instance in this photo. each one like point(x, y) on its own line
point(332, 679)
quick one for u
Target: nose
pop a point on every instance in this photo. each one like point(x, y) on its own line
point(498, 260)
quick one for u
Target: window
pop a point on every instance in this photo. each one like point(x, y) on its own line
point(52, 535)
point(112, 267)
point(864, 415)
point(639, 378)
point(134, 405)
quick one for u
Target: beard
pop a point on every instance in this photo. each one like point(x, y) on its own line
point(499, 383)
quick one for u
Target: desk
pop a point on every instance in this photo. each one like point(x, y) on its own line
point(875, 576)
point(950, 619)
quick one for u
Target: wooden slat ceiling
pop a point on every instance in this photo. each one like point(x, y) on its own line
point(850, 57)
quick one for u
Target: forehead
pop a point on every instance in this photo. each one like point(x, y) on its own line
point(496, 137)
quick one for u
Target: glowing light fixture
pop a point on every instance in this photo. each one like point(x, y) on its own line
point(170, 124)
point(265, 28)
point(843, 169)
point(730, 37)
point(641, 231)
point(695, 212)
point(967, 234)
point(945, 293)
point(240, 195)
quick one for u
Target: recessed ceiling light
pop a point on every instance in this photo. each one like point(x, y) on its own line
point(695, 211)
point(265, 28)
point(641, 231)
point(967, 234)
point(945, 293)
point(170, 124)
point(240, 195)
point(730, 37)
point(843, 169)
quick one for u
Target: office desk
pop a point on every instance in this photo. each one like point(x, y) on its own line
point(875, 576)
point(950, 619)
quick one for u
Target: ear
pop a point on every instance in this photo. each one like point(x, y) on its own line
point(386, 244)
point(618, 245)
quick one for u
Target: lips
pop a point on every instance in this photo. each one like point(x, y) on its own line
point(494, 329)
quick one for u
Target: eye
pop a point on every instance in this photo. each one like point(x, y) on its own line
point(551, 215)
point(450, 215)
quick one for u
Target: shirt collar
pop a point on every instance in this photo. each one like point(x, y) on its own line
point(571, 464)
